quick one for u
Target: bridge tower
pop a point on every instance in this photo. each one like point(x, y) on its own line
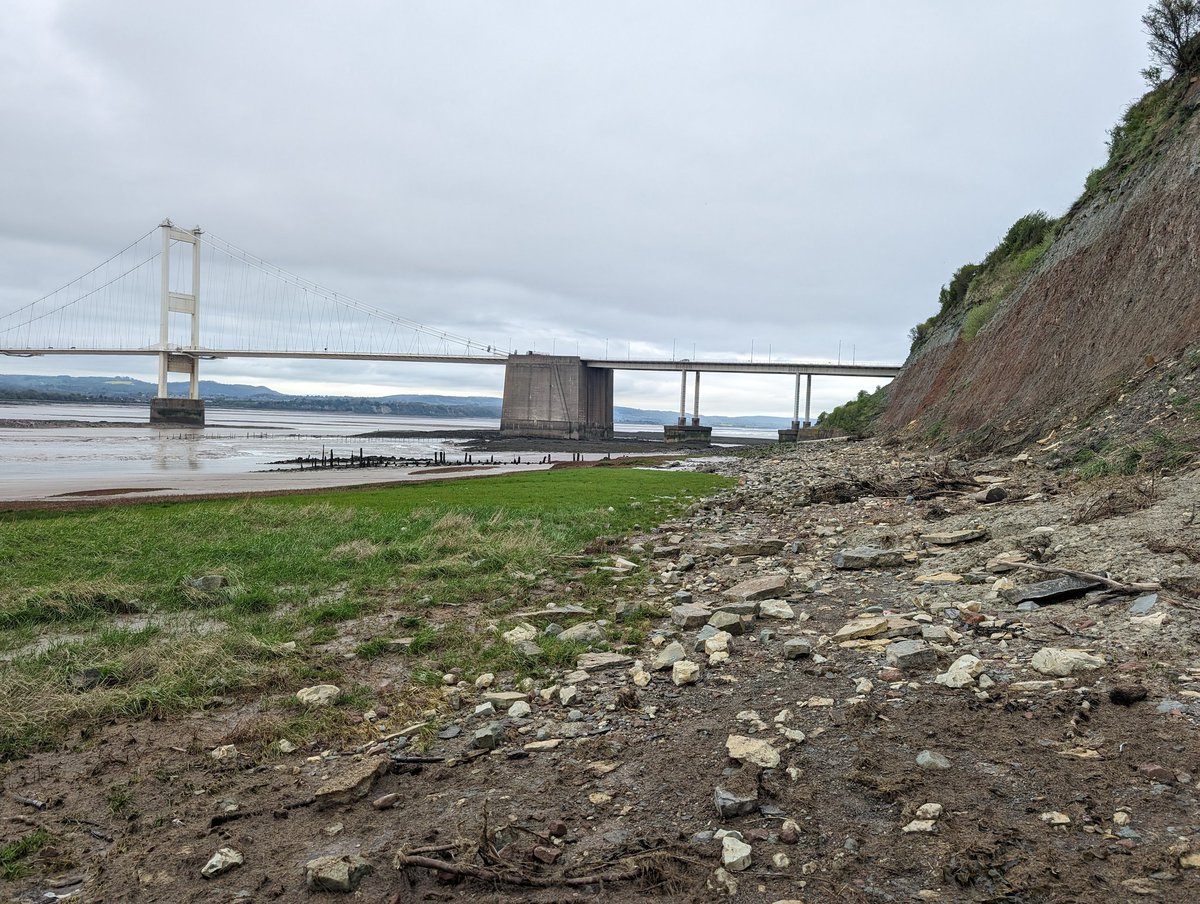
point(188, 412)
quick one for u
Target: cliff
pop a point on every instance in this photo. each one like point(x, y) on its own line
point(1113, 290)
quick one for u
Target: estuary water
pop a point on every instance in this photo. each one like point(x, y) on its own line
point(233, 453)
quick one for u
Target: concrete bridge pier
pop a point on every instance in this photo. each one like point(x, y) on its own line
point(682, 431)
point(793, 434)
point(556, 396)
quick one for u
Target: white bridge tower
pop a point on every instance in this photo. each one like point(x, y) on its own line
point(179, 360)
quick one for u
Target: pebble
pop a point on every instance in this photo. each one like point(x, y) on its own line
point(222, 861)
point(319, 694)
point(339, 874)
point(929, 759)
point(736, 855)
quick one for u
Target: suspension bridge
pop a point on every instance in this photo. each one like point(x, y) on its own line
point(146, 300)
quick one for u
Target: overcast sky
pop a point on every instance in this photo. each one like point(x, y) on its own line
point(796, 176)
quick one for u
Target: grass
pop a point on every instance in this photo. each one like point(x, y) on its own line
point(299, 572)
point(13, 853)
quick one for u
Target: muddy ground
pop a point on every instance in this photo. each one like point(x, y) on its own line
point(1068, 777)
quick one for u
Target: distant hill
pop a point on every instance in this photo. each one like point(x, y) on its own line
point(28, 387)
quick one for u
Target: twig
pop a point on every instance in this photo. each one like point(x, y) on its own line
point(489, 875)
point(29, 801)
point(1098, 578)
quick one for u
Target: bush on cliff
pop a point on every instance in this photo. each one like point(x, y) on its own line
point(856, 416)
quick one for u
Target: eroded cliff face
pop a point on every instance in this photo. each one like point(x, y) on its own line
point(1118, 290)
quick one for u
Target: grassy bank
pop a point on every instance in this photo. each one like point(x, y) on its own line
point(102, 613)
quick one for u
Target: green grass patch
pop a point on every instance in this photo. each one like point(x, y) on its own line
point(299, 572)
point(14, 854)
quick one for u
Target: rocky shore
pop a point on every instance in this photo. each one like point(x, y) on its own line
point(870, 675)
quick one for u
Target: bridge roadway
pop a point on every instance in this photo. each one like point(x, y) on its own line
point(556, 396)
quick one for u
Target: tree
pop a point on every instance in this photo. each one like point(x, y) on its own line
point(1174, 30)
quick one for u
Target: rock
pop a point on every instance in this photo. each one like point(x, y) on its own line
point(1051, 591)
point(568, 695)
point(208, 583)
point(727, 621)
point(485, 710)
point(752, 750)
point(342, 874)
point(584, 632)
point(990, 495)
point(222, 861)
point(1063, 662)
point(742, 607)
point(519, 710)
point(1156, 773)
point(1189, 860)
point(702, 635)
point(1055, 818)
point(911, 654)
point(796, 648)
point(775, 609)
point(862, 627)
point(599, 662)
point(351, 782)
point(928, 759)
point(689, 616)
point(941, 577)
point(737, 795)
point(929, 811)
point(386, 802)
point(489, 737)
point(920, 825)
point(758, 588)
point(685, 672)
point(319, 695)
point(486, 680)
point(522, 633)
point(867, 557)
point(225, 752)
point(954, 537)
point(735, 854)
point(504, 698)
point(718, 643)
point(962, 672)
point(283, 745)
point(668, 656)
point(1143, 604)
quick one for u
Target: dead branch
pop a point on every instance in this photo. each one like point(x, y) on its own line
point(1148, 587)
point(512, 878)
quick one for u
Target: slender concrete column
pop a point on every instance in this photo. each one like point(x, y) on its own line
point(796, 405)
point(683, 399)
point(807, 401)
point(696, 403)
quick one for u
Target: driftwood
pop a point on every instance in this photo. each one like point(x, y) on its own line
point(512, 877)
point(1115, 586)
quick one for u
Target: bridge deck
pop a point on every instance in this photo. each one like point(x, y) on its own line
point(738, 367)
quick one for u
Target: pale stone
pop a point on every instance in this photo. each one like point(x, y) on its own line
point(486, 680)
point(1063, 662)
point(225, 752)
point(775, 609)
point(1055, 818)
point(222, 861)
point(319, 694)
point(752, 750)
point(758, 588)
point(685, 672)
point(735, 854)
point(718, 643)
point(862, 627)
point(522, 633)
point(668, 656)
point(519, 710)
point(919, 825)
point(929, 811)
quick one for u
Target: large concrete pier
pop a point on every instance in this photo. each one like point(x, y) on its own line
point(556, 396)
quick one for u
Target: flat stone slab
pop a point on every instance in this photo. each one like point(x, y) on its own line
point(862, 627)
point(867, 557)
point(1053, 591)
point(689, 616)
point(352, 782)
point(598, 662)
point(758, 588)
point(911, 654)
